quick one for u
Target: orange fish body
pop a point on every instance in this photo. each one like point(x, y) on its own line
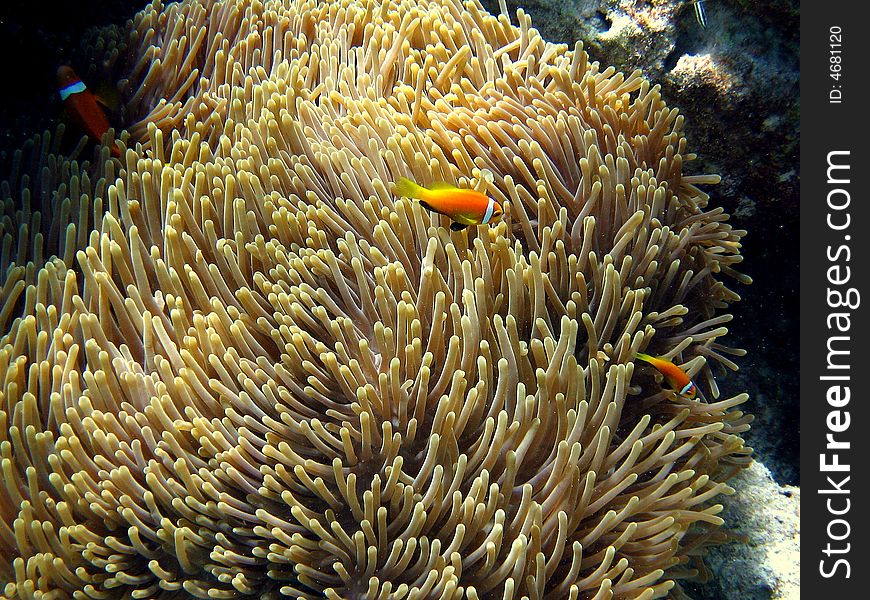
point(465, 207)
point(82, 106)
point(674, 375)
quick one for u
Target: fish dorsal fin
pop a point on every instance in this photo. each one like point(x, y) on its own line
point(107, 96)
point(102, 102)
point(440, 185)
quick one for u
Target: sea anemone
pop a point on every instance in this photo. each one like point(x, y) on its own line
point(265, 375)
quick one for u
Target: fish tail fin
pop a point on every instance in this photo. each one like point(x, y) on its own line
point(643, 357)
point(407, 188)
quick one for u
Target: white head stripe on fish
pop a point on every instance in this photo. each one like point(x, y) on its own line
point(687, 388)
point(490, 207)
point(73, 88)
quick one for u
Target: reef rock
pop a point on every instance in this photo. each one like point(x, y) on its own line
point(736, 79)
point(766, 565)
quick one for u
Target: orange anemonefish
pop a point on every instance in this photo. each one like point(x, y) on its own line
point(674, 375)
point(466, 207)
point(82, 106)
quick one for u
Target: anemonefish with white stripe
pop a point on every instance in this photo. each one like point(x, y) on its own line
point(465, 207)
point(674, 375)
point(700, 15)
point(82, 106)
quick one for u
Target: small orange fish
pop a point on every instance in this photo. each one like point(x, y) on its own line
point(674, 375)
point(82, 106)
point(465, 207)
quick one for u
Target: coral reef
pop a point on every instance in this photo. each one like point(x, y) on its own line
point(262, 374)
point(765, 564)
